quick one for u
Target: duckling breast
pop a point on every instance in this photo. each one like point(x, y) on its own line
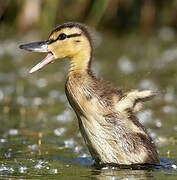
point(110, 136)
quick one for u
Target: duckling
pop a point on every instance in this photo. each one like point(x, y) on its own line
point(105, 114)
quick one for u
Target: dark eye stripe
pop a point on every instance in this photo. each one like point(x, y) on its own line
point(73, 35)
point(50, 41)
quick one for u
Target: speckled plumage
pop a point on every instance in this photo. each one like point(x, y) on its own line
point(106, 116)
point(112, 137)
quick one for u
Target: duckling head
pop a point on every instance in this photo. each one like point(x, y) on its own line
point(68, 40)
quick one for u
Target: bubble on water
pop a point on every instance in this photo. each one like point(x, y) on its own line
point(8, 155)
point(77, 149)
point(3, 140)
point(145, 116)
point(169, 109)
point(125, 65)
point(167, 56)
point(22, 101)
point(33, 147)
point(22, 169)
point(105, 168)
point(3, 168)
point(13, 132)
point(152, 134)
point(147, 84)
point(55, 94)
point(53, 171)
point(65, 116)
point(32, 160)
point(41, 83)
point(115, 178)
point(69, 143)
point(38, 166)
point(6, 169)
point(174, 166)
point(169, 97)
point(158, 123)
point(59, 131)
point(41, 164)
point(84, 155)
point(37, 101)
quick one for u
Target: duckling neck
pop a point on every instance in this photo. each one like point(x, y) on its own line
point(81, 62)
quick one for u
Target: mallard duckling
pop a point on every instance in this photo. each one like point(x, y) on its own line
point(106, 117)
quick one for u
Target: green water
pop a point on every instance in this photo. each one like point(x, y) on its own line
point(39, 134)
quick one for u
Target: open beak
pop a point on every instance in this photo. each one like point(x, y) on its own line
point(39, 47)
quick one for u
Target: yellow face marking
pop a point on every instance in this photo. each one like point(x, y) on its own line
point(77, 48)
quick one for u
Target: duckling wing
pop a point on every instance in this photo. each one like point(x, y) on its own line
point(133, 100)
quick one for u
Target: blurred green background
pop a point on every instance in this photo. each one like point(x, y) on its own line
point(135, 47)
point(120, 15)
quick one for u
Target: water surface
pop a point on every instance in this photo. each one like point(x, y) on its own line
point(39, 134)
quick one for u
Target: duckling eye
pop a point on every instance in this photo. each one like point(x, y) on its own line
point(62, 36)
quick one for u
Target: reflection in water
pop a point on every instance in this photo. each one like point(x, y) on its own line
point(136, 172)
point(110, 174)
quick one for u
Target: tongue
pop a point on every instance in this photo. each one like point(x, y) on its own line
point(48, 59)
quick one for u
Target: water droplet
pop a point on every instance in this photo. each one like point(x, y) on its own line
point(145, 116)
point(158, 123)
point(22, 169)
point(174, 166)
point(41, 83)
point(147, 84)
point(65, 116)
point(37, 101)
point(60, 131)
point(54, 171)
point(125, 65)
point(13, 132)
point(41, 164)
point(3, 140)
point(22, 101)
point(70, 143)
point(169, 97)
point(8, 155)
point(33, 147)
point(169, 109)
point(77, 149)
